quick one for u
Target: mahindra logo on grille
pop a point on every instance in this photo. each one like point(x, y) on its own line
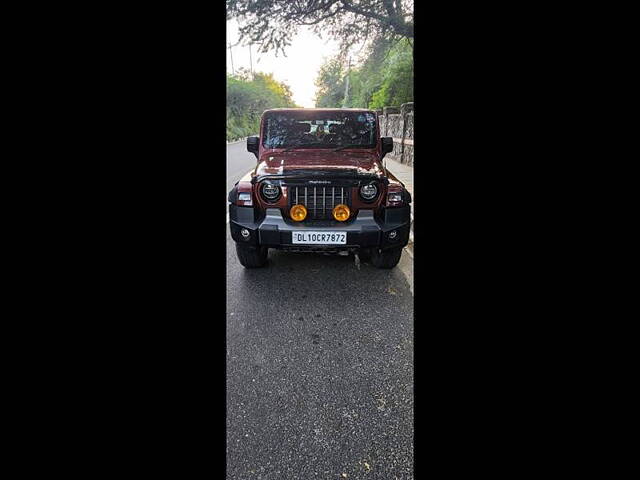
point(320, 181)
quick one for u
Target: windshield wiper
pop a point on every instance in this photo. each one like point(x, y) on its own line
point(348, 146)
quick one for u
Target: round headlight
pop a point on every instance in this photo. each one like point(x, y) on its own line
point(369, 191)
point(298, 213)
point(341, 213)
point(270, 192)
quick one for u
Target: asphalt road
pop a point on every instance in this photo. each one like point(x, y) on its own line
point(319, 366)
point(239, 162)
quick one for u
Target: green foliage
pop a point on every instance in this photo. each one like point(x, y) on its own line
point(272, 24)
point(330, 84)
point(248, 97)
point(385, 78)
point(396, 87)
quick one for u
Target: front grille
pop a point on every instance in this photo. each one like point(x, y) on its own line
point(319, 201)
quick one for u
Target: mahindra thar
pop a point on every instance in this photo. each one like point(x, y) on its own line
point(320, 185)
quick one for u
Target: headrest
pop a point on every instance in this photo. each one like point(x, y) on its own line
point(302, 127)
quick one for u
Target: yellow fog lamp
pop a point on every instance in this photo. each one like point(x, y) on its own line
point(298, 213)
point(341, 213)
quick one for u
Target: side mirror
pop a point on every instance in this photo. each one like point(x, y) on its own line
point(253, 144)
point(387, 145)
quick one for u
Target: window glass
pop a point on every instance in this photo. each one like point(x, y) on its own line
point(319, 130)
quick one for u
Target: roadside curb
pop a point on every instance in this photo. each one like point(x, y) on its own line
point(411, 228)
point(405, 265)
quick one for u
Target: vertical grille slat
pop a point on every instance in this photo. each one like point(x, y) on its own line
point(333, 198)
point(311, 200)
point(323, 202)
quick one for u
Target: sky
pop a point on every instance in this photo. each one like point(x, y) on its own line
point(298, 69)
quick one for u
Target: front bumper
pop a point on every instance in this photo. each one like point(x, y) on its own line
point(365, 231)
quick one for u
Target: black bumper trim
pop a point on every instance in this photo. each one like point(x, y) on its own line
point(365, 231)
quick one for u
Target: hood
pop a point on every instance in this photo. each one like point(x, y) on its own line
point(358, 163)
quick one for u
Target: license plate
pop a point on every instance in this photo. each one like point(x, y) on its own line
point(320, 238)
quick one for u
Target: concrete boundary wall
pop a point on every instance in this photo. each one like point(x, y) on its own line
point(397, 122)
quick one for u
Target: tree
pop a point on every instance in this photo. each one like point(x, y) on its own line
point(330, 84)
point(272, 23)
point(384, 78)
point(250, 95)
point(396, 85)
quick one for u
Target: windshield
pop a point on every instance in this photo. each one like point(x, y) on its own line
point(309, 129)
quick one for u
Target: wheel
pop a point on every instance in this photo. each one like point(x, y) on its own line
point(252, 257)
point(385, 258)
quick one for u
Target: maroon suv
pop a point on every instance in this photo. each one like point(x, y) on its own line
point(320, 186)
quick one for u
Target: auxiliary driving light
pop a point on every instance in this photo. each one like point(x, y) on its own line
point(298, 213)
point(245, 233)
point(341, 213)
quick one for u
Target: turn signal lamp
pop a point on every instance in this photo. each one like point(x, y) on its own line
point(341, 213)
point(298, 213)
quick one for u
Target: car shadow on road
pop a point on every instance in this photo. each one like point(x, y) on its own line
point(331, 271)
point(332, 282)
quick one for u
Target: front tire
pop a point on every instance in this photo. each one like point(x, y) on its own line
point(252, 257)
point(385, 258)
